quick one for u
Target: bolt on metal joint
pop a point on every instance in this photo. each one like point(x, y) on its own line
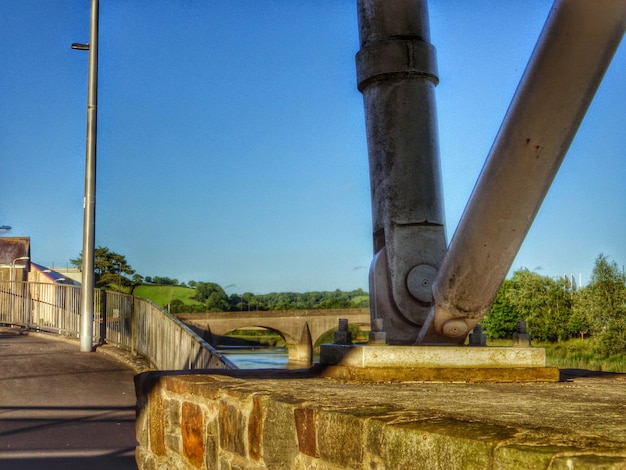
point(521, 338)
point(377, 334)
point(477, 337)
point(343, 335)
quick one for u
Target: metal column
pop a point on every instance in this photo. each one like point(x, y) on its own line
point(397, 74)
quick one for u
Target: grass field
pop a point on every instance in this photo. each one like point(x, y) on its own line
point(580, 354)
point(361, 301)
point(164, 295)
point(261, 336)
point(575, 354)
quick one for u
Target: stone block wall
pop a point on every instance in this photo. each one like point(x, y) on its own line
point(193, 423)
point(185, 424)
point(223, 422)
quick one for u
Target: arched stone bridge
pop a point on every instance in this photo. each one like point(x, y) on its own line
point(300, 328)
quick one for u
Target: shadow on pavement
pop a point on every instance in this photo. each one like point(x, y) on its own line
point(570, 374)
point(70, 463)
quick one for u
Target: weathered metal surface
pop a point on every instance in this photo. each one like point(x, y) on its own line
point(397, 74)
point(572, 54)
point(422, 292)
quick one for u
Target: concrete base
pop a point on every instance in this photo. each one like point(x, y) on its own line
point(430, 356)
point(436, 363)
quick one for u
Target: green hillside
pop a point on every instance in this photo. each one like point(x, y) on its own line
point(164, 295)
point(210, 297)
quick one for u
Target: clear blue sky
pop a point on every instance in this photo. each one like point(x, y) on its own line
point(232, 144)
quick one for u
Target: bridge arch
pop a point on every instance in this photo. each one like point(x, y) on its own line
point(301, 329)
point(299, 348)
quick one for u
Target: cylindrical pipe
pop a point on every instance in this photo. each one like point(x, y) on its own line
point(89, 220)
point(572, 54)
point(397, 74)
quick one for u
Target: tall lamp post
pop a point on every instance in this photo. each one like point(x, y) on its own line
point(89, 203)
point(13, 278)
point(13, 266)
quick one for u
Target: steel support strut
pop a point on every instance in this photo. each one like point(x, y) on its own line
point(572, 54)
point(397, 74)
point(421, 292)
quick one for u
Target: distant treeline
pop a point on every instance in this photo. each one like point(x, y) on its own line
point(114, 273)
point(556, 309)
point(210, 296)
point(213, 297)
point(357, 298)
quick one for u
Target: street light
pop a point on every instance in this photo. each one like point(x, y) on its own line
point(5, 228)
point(89, 204)
point(12, 277)
point(12, 265)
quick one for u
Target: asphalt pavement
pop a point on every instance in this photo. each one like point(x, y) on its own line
point(61, 408)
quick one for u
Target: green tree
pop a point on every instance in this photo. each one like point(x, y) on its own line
point(334, 303)
point(136, 282)
point(606, 303)
point(165, 281)
point(110, 268)
point(212, 296)
point(247, 299)
point(502, 318)
point(544, 303)
point(311, 300)
point(581, 322)
point(177, 306)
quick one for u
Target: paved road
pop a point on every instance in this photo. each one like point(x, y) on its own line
point(63, 409)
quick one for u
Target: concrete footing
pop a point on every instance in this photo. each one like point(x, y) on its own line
point(436, 363)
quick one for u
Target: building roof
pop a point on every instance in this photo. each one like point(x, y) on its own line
point(54, 276)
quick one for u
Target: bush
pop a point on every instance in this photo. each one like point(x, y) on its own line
point(613, 339)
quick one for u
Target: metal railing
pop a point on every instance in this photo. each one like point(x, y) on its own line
point(131, 323)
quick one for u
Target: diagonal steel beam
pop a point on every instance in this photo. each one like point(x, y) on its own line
point(572, 54)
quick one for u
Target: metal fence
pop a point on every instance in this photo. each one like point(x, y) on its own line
point(131, 323)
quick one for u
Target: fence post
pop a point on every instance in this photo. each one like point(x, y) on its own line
point(28, 306)
point(103, 317)
point(133, 327)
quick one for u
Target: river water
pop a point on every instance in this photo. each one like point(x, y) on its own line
point(257, 358)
